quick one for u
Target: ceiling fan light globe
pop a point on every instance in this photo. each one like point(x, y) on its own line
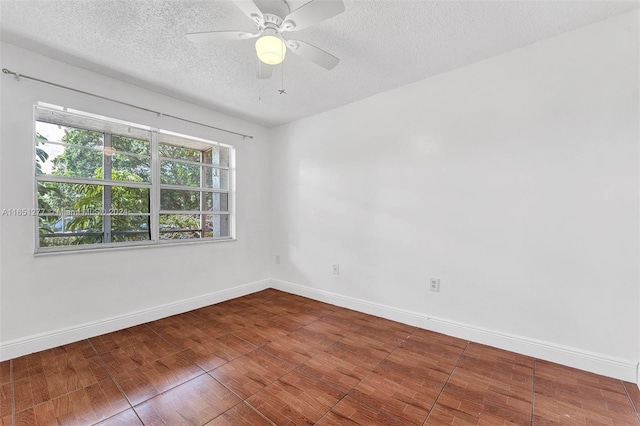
point(271, 49)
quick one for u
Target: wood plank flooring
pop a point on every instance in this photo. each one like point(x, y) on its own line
point(275, 358)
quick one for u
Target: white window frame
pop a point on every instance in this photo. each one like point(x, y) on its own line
point(154, 185)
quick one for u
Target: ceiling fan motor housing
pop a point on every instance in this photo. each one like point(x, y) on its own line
point(273, 7)
point(271, 21)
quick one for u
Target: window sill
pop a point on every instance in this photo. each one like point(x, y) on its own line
point(96, 249)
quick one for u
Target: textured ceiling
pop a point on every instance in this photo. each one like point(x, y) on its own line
point(382, 44)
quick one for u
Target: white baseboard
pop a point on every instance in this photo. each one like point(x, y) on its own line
point(594, 362)
point(23, 346)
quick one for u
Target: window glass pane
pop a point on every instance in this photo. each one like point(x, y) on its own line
point(217, 178)
point(131, 236)
point(70, 230)
point(134, 146)
point(56, 133)
point(179, 226)
point(188, 226)
point(216, 201)
point(74, 198)
point(130, 228)
point(179, 235)
point(173, 199)
point(130, 169)
point(173, 173)
point(75, 230)
point(77, 199)
point(77, 223)
point(61, 240)
point(179, 152)
point(68, 161)
point(125, 200)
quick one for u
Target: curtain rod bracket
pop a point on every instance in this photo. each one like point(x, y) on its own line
point(16, 76)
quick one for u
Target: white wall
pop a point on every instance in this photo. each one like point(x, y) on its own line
point(71, 292)
point(514, 180)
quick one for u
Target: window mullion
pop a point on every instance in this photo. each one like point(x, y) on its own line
point(87, 181)
point(193, 188)
point(203, 201)
point(107, 190)
point(155, 187)
point(231, 201)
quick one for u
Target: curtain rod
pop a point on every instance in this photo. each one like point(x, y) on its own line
point(160, 114)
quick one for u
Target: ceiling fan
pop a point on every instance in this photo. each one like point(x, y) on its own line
point(273, 18)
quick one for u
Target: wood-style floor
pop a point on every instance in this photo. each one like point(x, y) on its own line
point(274, 358)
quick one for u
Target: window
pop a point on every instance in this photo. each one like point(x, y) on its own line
point(102, 182)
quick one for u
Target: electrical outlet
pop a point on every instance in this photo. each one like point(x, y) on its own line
point(336, 269)
point(434, 284)
point(277, 259)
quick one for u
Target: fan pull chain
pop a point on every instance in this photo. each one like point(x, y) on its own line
point(282, 91)
point(259, 82)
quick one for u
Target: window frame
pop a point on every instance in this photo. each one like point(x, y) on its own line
point(154, 184)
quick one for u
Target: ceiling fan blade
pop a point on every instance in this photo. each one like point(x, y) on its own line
point(249, 8)
point(312, 13)
point(313, 54)
point(219, 35)
point(264, 71)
